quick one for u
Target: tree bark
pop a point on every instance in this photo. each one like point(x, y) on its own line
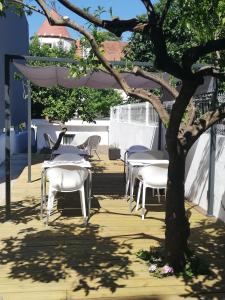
point(177, 224)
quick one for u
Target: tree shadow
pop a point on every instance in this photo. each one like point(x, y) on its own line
point(22, 211)
point(208, 241)
point(54, 254)
point(108, 184)
point(197, 187)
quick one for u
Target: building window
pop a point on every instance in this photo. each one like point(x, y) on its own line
point(68, 138)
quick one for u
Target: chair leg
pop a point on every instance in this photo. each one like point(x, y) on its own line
point(132, 187)
point(51, 198)
point(153, 192)
point(143, 202)
point(89, 192)
point(127, 186)
point(139, 195)
point(83, 204)
point(97, 155)
point(158, 195)
point(42, 193)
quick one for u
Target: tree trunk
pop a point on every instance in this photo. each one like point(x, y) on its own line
point(177, 225)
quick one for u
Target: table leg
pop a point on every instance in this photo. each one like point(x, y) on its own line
point(89, 192)
point(42, 192)
point(130, 168)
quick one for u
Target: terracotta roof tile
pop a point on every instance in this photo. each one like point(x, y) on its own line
point(113, 50)
point(57, 31)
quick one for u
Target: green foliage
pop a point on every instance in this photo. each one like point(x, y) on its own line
point(156, 259)
point(1, 7)
point(61, 104)
point(99, 35)
point(188, 23)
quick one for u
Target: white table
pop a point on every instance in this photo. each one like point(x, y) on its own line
point(137, 163)
point(63, 160)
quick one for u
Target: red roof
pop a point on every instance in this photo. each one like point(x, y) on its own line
point(113, 50)
point(56, 31)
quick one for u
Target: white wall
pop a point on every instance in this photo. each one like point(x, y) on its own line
point(124, 135)
point(197, 173)
point(54, 41)
point(82, 130)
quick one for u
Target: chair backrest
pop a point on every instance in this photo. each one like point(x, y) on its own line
point(134, 149)
point(93, 142)
point(146, 155)
point(74, 157)
point(137, 148)
point(155, 175)
point(59, 139)
point(49, 141)
point(66, 178)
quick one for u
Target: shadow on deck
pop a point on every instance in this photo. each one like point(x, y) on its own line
point(70, 261)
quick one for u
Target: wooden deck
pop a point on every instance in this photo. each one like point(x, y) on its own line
point(70, 261)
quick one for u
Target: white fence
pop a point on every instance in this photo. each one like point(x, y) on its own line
point(133, 124)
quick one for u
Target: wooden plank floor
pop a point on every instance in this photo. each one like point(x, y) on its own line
point(70, 261)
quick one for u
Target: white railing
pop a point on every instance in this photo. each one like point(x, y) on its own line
point(139, 113)
point(133, 124)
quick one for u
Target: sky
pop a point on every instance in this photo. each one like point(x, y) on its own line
point(125, 9)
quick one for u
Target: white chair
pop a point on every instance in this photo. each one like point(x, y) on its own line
point(91, 144)
point(68, 157)
point(131, 150)
point(131, 174)
point(155, 177)
point(57, 149)
point(66, 178)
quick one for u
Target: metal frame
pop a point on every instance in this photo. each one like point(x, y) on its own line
point(212, 158)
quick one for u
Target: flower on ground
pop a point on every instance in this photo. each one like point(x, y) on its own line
point(152, 268)
point(167, 270)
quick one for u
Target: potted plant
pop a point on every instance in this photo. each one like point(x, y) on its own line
point(114, 152)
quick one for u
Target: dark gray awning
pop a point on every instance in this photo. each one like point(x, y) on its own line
point(53, 76)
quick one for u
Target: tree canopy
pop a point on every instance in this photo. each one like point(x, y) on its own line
point(186, 25)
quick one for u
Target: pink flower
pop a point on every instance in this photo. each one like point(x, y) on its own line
point(167, 270)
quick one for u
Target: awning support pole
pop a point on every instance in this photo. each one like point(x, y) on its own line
point(29, 150)
point(7, 139)
point(212, 158)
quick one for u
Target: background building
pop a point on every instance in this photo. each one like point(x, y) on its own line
point(55, 35)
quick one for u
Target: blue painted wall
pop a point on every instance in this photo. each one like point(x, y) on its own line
point(14, 39)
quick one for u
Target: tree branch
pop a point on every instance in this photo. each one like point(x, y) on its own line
point(154, 100)
point(165, 11)
point(192, 54)
point(158, 80)
point(19, 2)
point(149, 7)
point(187, 91)
point(212, 71)
point(115, 26)
point(192, 133)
